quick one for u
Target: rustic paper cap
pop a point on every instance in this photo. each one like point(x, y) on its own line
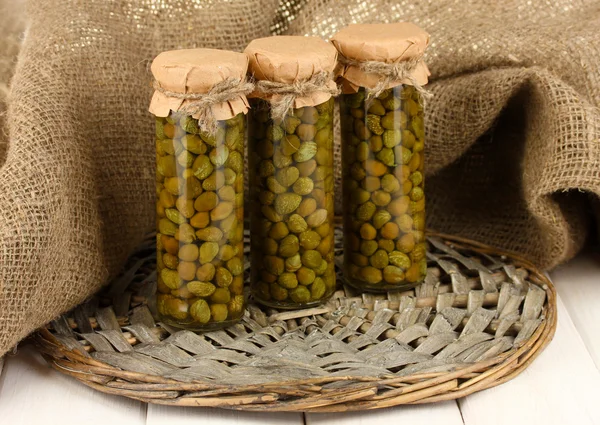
point(197, 71)
point(387, 43)
point(290, 59)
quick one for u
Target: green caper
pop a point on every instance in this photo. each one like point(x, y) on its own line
point(278, 231)
point(300, 294)
point(205, 272)
point(274, 265)
point(318, 288)
point(167, 166)
point(278, 292)
point(210, 234)
point(290, 124)
point(303, 186)
point(200, 311)
point(317, 218)
point(177, 308)
point(393, 274)
point(386, 155)
point(289, 246)
point(306, 132)
point(293, 263)
point(236, 305)
point(274, 133)
point(218, 312)
point(235, 266)
point(380, 218)
point(311, 258)
point(416, 194)
point(297, 224)
point(270, 214)
point(167, 227)
point(309, 239)
point(305, 276)
point(208, 251)
point(221, 296)
point(274, 186)
point(287, 203)
point(376, 107)
point(368, 248)
point(201, 289)
point(306, 151)
point(170, 261)
point(390, 183)
point(287, 176)
point(399, 259)
point(288, 280)
point(366, 211)
point(171, 278)
point(360, 196)
point(373, 123)
point(371, 275)
point(280, 160)
point(223, 277)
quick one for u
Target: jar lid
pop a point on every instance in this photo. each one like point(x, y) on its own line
point(290, 60)
point(197, 71)
point(386, 43)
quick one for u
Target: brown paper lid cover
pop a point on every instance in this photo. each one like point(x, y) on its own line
point(289, 59)
point(197, 71)
point(388, 43)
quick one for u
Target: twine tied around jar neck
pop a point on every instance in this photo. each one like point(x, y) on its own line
point(201, 103)
point(287, 93)
point(389, 72)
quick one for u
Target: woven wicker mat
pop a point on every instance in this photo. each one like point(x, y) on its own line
point(478, 320)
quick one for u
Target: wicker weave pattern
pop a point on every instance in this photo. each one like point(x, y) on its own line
point(477, 321)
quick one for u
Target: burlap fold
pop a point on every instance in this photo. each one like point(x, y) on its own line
point(513, 131)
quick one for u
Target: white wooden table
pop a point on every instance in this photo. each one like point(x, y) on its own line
point(561, 387)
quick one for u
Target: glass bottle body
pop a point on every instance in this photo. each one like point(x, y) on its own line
point(383, 190)
point(292, 206)
point(200, 222)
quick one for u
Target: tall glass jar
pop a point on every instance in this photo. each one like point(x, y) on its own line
point(199, 188)
point(292, 177)
point(383, 159)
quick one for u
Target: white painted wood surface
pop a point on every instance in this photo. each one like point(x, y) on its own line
point(561, 387)
point(445, 413)
point(578, 282)
point(160, 415)
point(31, 393)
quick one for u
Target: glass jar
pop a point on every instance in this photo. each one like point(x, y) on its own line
point(383, 181)
point(292, 183)
point(291, 204)
point(199, 208)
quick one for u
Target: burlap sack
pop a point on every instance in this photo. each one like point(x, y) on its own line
point(513, 130)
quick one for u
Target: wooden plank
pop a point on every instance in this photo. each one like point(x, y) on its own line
point(32, 393)
point(446, 413)
point(560, 387)
point(578, 284)
point(160, 415)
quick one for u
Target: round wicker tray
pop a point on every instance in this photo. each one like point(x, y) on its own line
point(479, 319)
